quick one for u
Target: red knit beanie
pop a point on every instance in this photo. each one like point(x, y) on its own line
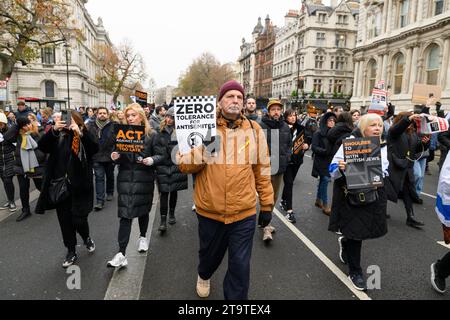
point(230, 85)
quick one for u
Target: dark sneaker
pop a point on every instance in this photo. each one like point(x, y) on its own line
point(109, 197)
point(99, 206)
point(291, 217)
point(12, 207)
point(90, 245)
point(358, 282)
point(283, 205)
point(341, 250)
point(70, 259)
point(5, 206)
point(437, 282)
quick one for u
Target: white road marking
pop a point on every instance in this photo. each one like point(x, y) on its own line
point(429, 195)
point(442, 243)
point(34, 195)
point(126, 283)
point(319, 254)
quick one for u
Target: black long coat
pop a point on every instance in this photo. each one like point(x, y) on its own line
point(135, 182)
point(13, 136)
point(358, 223)
point(322, 148)
point(402, 149)
point(6, 158)
point(169, 176)
point(105, 140)
point(280, 153)
point(62, 160)
point(298, 129)
point(338, 133)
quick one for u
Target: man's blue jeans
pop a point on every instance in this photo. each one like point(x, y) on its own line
point(103, 170)
point(419, 174)
point(322, 189)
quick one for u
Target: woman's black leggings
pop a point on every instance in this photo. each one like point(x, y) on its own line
point(9, 188)
point(164, 200)
point(125, 231)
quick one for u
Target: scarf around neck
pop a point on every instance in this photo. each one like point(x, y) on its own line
point(27, 154)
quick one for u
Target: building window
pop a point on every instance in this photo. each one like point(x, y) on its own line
point(433, 65)
point(302, 63)
point(342, 19)
point(48, 55)
point(301, 41)
point(49, 89)
point(398, 76)
point(339, 86)
point(438, 7)
point(322, 17)
point(330, 86)
point(374, 25)
point(340, 40)
point(340, 63)
point(404, 8)
point(319, 62)
point(317, 85)
point(372, 75)
point(320, 37)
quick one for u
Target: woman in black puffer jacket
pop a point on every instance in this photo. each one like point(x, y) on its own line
point(7, 165)
point(169, 177)
point(342, 130)
point(135, 185)
point(29, 161)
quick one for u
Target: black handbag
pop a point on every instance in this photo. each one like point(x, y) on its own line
point(361, 197)
point(58, 190)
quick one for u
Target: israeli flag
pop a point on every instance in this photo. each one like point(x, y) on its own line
point(443, 194)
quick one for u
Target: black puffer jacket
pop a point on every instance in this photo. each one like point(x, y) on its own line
point(13, 136)
point(61, 161)
point(169, 176)
point(135, 183)
point(322, 148)
point(6, 158)
point(105, 140)
point(281, 149)
point(338, 133)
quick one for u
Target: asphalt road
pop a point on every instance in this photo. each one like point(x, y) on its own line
point(301, 263)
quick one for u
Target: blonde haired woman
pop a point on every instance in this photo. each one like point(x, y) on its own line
point(135, 184)
point(362, 222)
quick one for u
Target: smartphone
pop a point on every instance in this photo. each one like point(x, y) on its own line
point(417, 109)
point(66, 116)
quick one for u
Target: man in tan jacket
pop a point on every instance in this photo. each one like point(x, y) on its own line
point(227, 182)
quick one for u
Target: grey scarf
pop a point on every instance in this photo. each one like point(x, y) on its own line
point(27, 155)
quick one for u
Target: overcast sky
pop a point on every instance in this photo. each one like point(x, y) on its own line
point(170, 34)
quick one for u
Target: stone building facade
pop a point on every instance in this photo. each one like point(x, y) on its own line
point(46, 78)
point(402, 43)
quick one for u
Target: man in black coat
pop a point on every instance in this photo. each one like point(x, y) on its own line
point(22, 110)
point(103, 130)
point(278, 135)
point(250, 110)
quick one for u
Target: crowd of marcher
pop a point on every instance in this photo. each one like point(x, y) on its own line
point(73, 166)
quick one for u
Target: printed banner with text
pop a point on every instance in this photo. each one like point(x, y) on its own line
point(129, 139)
point(363, 158)
point(194, 117)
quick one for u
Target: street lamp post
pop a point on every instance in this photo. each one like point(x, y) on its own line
point(66, 45)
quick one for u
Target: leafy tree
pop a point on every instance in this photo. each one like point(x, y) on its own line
point(313, 94)
point(204, 76)
point(28, 25)
point(122, 68)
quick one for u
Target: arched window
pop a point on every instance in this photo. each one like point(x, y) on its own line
point(398, 73)
point(49, 89)
point(371, 76)
point(433, 65)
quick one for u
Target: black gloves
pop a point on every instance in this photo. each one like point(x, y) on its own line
point(264, 218)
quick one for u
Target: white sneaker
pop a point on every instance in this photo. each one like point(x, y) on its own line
point(142, 245)
point(203, 287)
point(118, 261)
point(267, 236)
point(193, 207)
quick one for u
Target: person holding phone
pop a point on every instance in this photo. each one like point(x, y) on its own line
point(135, 185)
point(70, 147)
